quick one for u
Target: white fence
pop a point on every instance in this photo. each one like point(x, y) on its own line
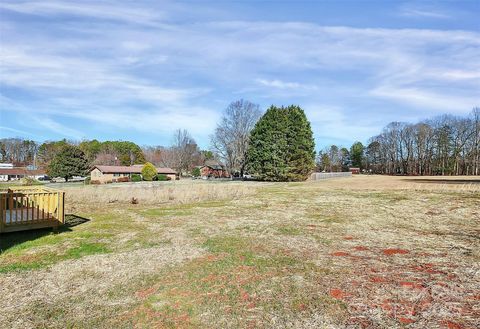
point(328, 175)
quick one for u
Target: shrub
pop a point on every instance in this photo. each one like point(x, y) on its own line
point(196, 172)
point(87, 181)
point(149, 171)
point(161, 177)
point(123, 179)
point(136, 178)
point(95, 182)
point(29, 181)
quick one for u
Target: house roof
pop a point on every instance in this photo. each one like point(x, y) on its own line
point(214, 165)
point(136, 169)
point(21, 171)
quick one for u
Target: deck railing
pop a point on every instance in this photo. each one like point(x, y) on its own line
point(25, 208)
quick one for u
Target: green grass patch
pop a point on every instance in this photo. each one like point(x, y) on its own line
point(289, 230)
point(22, 262)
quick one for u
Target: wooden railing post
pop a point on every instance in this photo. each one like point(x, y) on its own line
point(2, 216)
point(31, 208)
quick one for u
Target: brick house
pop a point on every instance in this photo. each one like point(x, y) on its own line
point(16, 173)
point(213, 169)
point(109, 174)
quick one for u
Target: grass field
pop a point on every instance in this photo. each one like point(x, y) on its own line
point(361, 252)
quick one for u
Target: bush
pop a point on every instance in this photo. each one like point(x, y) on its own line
point(136, 178)
point(95, 182)
point(123, 179)
point(29, 181)
point(149, 171)
point(196, 172)
point(161, 177)
point(87, 181)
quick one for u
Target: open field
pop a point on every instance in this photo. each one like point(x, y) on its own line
point(361, 252)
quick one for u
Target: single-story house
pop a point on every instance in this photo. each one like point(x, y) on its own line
point(17, 173)
point(109, 174)
point(212, 169)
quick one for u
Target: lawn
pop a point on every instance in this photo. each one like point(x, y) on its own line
point(360, 252)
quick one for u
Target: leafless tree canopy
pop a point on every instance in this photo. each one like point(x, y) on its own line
point(231, 137)
point(17, 151)
point(446, 145)
point(185, 151)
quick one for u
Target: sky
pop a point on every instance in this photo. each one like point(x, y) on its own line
point(139, 70)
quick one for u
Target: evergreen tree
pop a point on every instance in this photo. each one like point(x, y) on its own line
point(357, 154)
point(301, 145)
point(282, 145)
point(149, 171)
point(68, 162)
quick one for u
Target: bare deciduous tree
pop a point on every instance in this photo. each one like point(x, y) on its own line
point(232, 135)
point(185, 151)
point(445, 145)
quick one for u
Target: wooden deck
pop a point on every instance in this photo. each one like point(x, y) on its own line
point(26, 208)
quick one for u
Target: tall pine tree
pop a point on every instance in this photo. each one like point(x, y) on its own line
point(68, 162)
point(282, 146)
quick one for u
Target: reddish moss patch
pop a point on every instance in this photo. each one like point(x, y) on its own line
point(142, 294)
point(405, 320)
point(360, 248)
point(413, 285)
point(452, 325)
point(340, 253)
point(378, 279)
point(337, 293)
point(348, 237)
point(390, 252)
point(386, 305)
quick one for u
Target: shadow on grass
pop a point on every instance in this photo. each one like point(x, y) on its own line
point(8, 240)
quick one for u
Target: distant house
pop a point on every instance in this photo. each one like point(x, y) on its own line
point(354, 171)
point(16, 173)
point(213, 169)
point(109, 174)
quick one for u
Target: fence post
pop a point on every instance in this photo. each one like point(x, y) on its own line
point(2, 217)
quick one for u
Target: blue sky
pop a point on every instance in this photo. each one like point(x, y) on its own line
point(138, 70)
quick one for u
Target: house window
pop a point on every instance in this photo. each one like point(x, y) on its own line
point(117, 175)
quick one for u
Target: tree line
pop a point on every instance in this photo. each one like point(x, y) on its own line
point(444, 145)
point(277, 146)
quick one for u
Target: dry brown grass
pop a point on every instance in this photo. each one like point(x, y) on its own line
point(363, 252)
point(184, 191)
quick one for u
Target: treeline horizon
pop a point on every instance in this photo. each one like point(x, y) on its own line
point(443, 145)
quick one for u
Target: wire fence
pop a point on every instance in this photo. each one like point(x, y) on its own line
point(328, 175)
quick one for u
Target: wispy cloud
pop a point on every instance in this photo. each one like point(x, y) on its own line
point(278, 84)
point(109, 10)
point(411, 12)
point(62, 130)
point(16, 131)
point(151, 72)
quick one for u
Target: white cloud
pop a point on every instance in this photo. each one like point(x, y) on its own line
point(51, 125)
point(423, 13)
point(154, 76)
point(110, 10)
point(278, 84)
